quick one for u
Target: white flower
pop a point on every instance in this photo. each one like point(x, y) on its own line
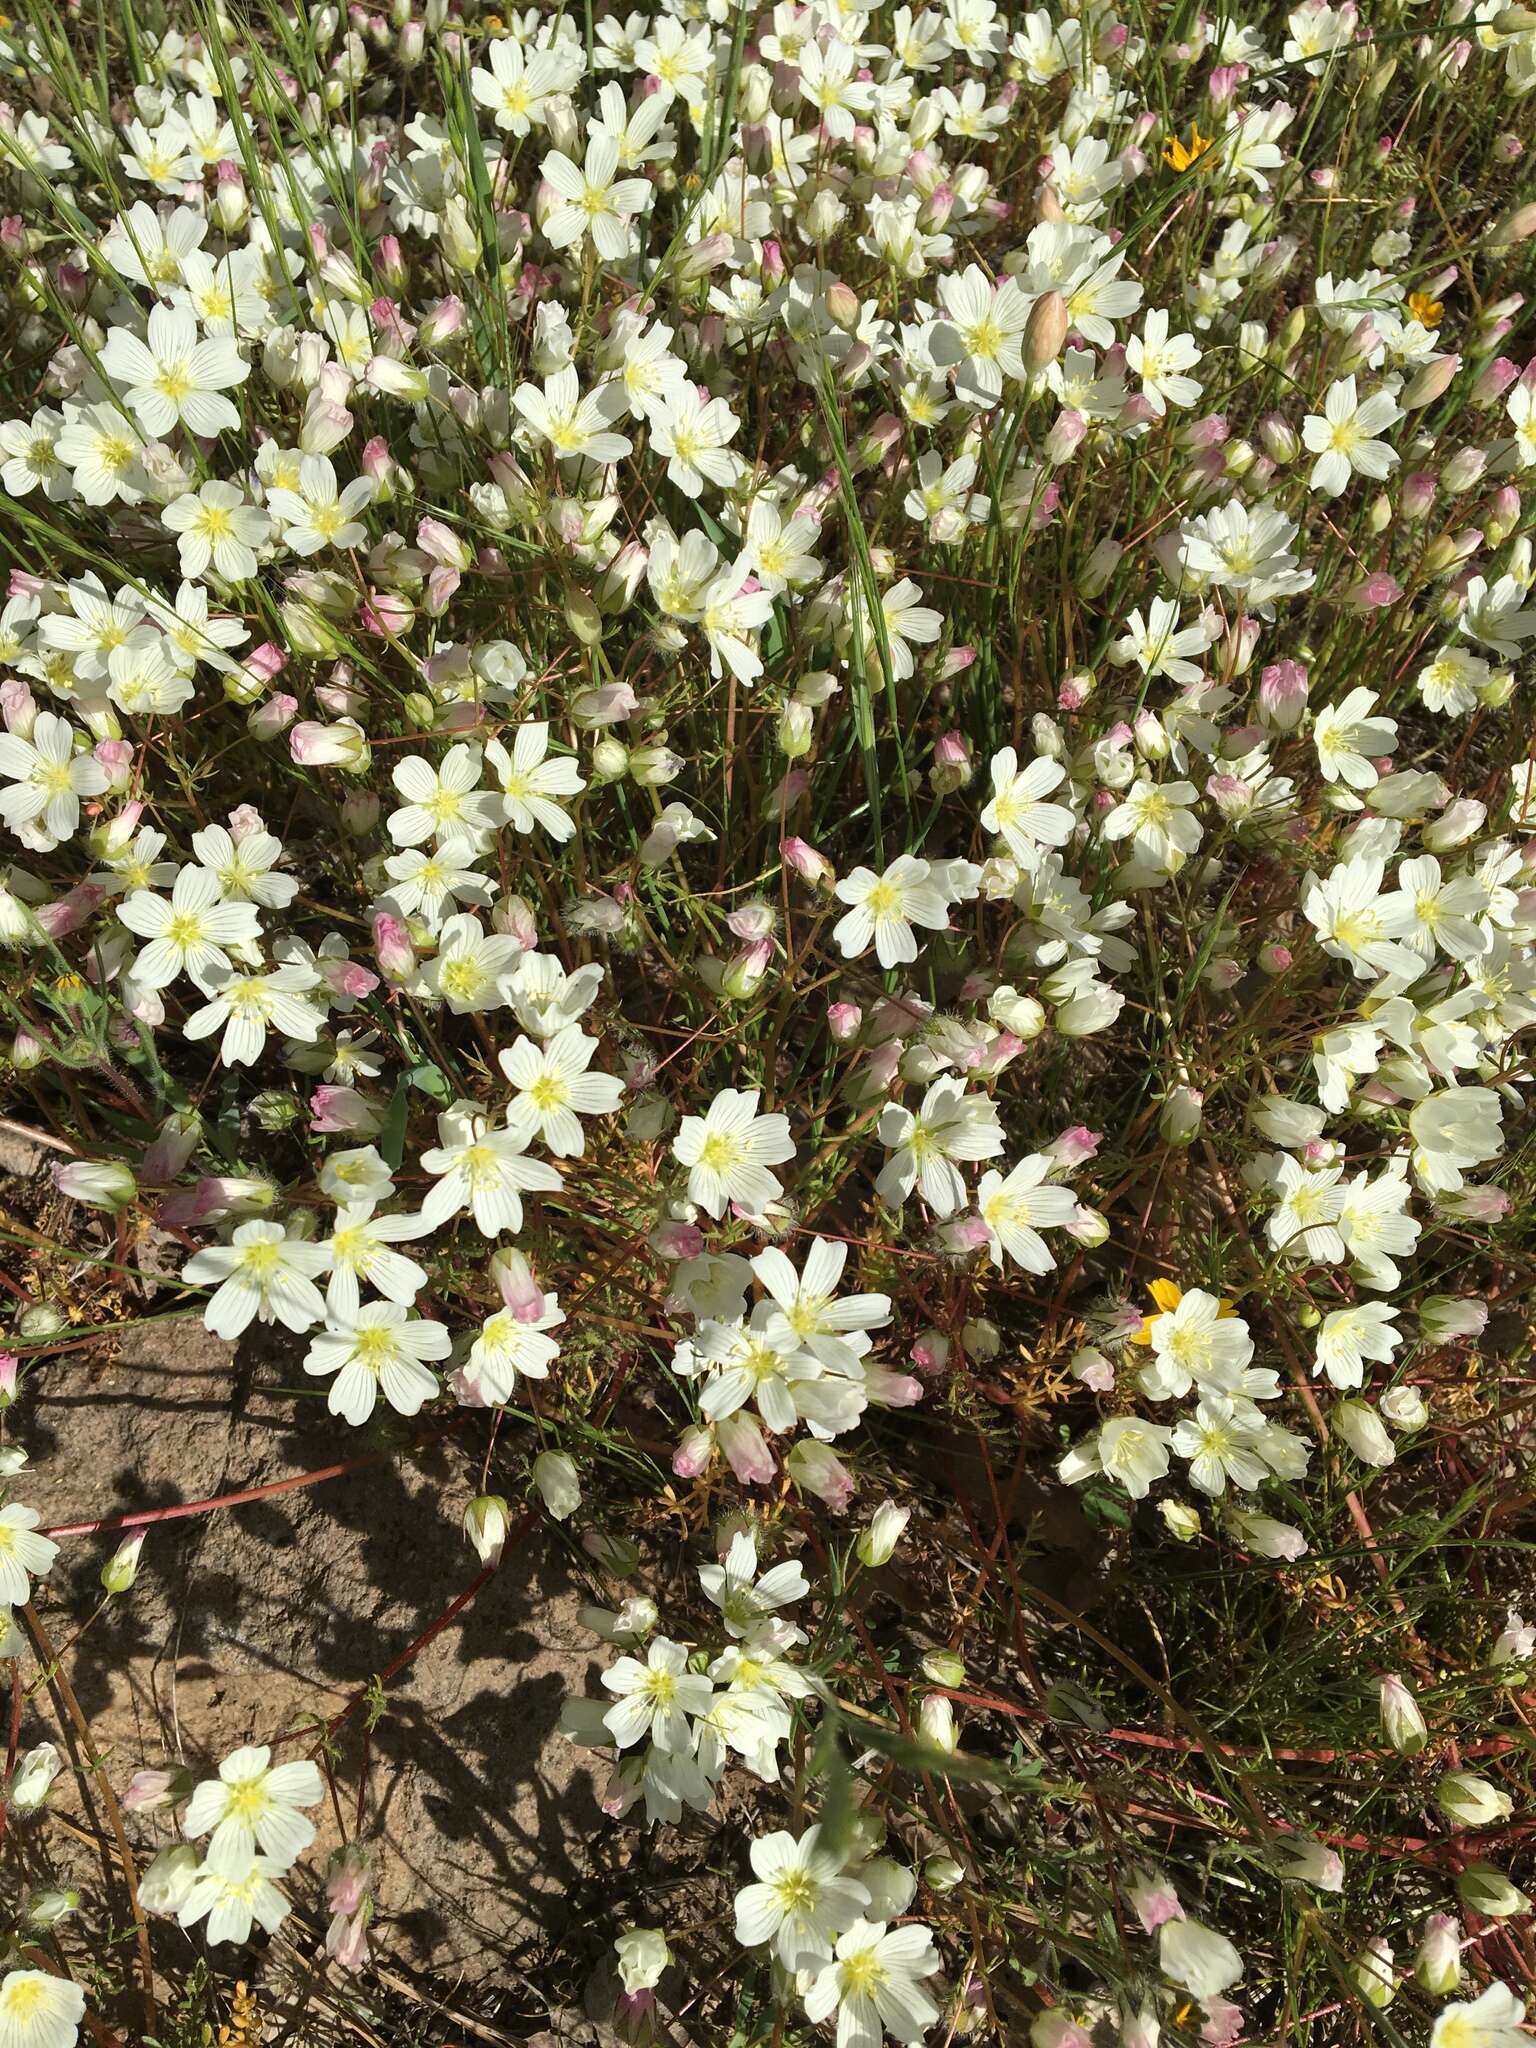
point(1203, 1962)
point(1491, 2020)
point(885, 908)
point(216, 524)
point(254, 1802)
point(482, 1170)
point(248, 1005)
point(693, 437)
point(1018, 811)
point(189, 934)
point(555, 1090)
point(1135, 1452)
point(473, 969)
point(1342, 436)
point(48, 777)
point(262, 1273)
point(1156, 818)
point(654, 1699)
point(572, 425)
point(510, 1347)
point(1159, 646)
point(381, 1349)
point(1349, 1336)
point(950, 1126)
point(594, 200)
point(358, 1250)
point(1346, 735)
point(245, 868)
point(231, 1900)
point(532, 780)
point(729, 1150)
point(318, 513)
point(1302, 1225)
point(874, 1985)
point(1160, 361)
point(1193, 1343)
point(173, 376)
point(801, 1902)
point(807, 1310)
point(1454, 1129)
point(1016, 1208)
point(1219, 1442)
point(24, 1555)
point(39, 2010)
point(519, 82)
point(446, 801)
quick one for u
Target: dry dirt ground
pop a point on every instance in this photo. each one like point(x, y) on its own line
point(245, 1625)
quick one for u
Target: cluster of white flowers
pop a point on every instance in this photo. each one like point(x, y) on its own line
point(644, 650)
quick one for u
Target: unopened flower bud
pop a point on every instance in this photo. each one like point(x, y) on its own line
point(1401, 1722)
point(1045, 332)
point(559, 1486)
point(486, 1522)
point(1437, 1965)
point(122, 1567)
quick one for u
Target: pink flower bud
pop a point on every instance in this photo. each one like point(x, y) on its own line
point(745, 1450)
point(1274, 959)
point(1075, 1146)
point(267, 720)
point(1283, 690)
point(844, 1021)
point(1419, 489)
point(1379, 592)
point(392, 946)
point(803, 860)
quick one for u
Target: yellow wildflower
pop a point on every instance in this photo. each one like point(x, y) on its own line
point(1179, 157)
point(1168, 1294)
point(1427, 311)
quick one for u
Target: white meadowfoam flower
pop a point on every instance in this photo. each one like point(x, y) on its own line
point(358, 1250)
point(519, 82)
point(729, 1150)
point(1159, 646)
point(263, 1275)
point(172, 376)
point(1346, 736)
point(446, 802)
point(252, 1803)
point(1018, 811)
point(1134, 1452)
point(188, 934)
point(801, 1902)
point(230, 1902)
point(24, 1555)
point(886, 906)
point(574, 426)
point(693, 436)
point(1194, 1344)
point(48, 778)
point(1347, 1337)
point(808, 1310)
point(746, 1601)
point(433, 885)
point(655, 1699)
point(1158, 820)
point(533, 781)
point(247, 1006)
point(483, 1170)
point(319, 513)
point(381, 1349)
point(216, 526)
point(1343, 436)
point(1491, 2020)
point(510, 1347)
point(473, 969)
point(874, 1985)
point(40, 2010)
point(1303, 1225)
point(924, 1147)
point(1160, 360)
point(555, 1090)
point(245, 868)
point(593, 200)
point(1017, 1206)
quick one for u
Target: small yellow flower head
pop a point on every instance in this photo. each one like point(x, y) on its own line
point(1178, 157)
point(1167, 1294)
point(1427, 311)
